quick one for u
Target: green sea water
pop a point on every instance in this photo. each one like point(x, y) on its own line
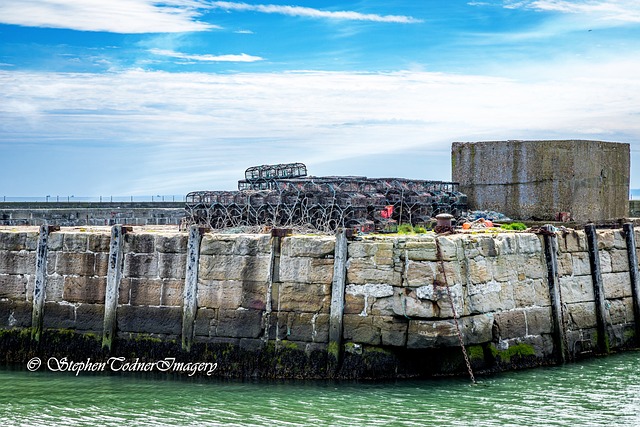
point(598, 392)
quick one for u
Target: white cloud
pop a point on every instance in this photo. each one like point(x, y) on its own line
point(313, 13)
point(605, 10)
point(116, 16)
point(243, 57)
point(201, 130)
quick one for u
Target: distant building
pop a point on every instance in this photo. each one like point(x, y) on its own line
point(539, 179)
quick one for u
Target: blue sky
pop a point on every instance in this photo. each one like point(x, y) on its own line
point(138, 97)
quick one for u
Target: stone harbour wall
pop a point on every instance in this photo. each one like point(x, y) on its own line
point(292, 306)
point(70, 214)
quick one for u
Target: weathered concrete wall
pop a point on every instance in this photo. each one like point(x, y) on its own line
point(537, 179)
point(400, 296)
point(91, 214)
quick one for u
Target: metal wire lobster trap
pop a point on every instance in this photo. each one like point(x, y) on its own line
point(284, 196)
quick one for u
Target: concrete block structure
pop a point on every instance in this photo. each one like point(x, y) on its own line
point(538, 179)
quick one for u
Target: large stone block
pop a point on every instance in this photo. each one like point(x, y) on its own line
point(172, 292)
point(504, 268)
point(172, 265)
point(538, 321)
point(226, 294)
point(75, 263)
point(443, 333)
point(233, 267)
point(139, 243)
point(420, 273)
point(531, 292)
point(301, 297)
point(576, 289)
point(308, 246)
point(616, 285)
point(13, 286)
point(393, 330)
point(360, 329)
point(143, 265)
point(99, 242)
point(216, 244)
point(511, 324)
point(146, 291)
point(22, 262)
point(421, 250)
point(581, 315)
point(75, 242)
point(490, 297)
point(479, 271)
point(619, 260)
point(18, 241)
point(448, 273)
point(449, 248)
point(310, 270)
point(84, 289)
point(252, 245)
point(90, 317)
point(361, 272)
point(239, 323)
point(59, 316)
point(529, 243)
point(581, 265)
point(171, 243)
point(150, 320)
point(55, 241)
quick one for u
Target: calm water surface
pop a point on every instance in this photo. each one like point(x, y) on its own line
point(599, 392)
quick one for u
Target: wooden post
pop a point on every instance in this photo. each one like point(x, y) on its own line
point(114, 275)
point(274, 276)
point(551, 257)
point(189, 297)
point(39, 288)
point(633, 274)
point(337, 294)
point(598, 288)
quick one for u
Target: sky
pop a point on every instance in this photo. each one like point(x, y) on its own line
point(139, 97)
